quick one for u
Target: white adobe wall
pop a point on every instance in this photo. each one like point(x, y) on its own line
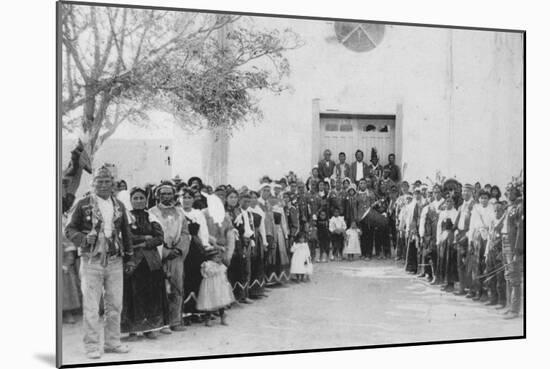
point(460, 93)
point(460, 114)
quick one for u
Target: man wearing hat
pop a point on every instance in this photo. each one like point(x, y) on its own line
point(195, 181)
point(176, 246)
point(99, 229)
point(177, 180)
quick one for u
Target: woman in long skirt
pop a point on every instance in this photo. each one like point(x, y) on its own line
point(278, 262)
point(238, 271)
point(257, 273)
point(145, 306)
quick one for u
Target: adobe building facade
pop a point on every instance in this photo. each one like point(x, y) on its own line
point(445, 99)
point(440, 99)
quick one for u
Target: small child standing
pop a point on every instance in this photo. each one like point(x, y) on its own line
point(353, 246)
point(310, 231)
point(215, 292)
point(337, 228)
point(323, 235)
point(301, 265)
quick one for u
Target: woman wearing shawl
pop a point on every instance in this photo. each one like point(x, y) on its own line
point(220, 228)
point(239, 267)
point(277, 263)
point(198, 229)
point(145, 306)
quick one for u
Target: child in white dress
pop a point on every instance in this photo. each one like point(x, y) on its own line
point(353, 246)
point(215, 293)
point(301, 265)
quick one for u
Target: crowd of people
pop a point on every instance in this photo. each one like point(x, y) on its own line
point(164, 256)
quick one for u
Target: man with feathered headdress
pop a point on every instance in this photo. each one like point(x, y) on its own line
point(375, 168)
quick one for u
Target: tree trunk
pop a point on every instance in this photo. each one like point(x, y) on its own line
point(215, 155)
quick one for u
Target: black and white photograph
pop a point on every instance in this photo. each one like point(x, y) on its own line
point(232, 183)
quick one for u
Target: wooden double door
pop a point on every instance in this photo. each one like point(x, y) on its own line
point(349, 133)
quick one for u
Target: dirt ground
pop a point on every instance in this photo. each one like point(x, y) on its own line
point(345, 304)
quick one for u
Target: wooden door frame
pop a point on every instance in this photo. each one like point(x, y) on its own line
point(317, 114)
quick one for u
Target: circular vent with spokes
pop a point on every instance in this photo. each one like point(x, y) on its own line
point(359, 37)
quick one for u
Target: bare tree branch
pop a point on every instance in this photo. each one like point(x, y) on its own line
point(97, 40)
point(204, 31)
point(117, 121)
point(119, 45)
point(76, 57)
point(140, 44)
point(107, 51)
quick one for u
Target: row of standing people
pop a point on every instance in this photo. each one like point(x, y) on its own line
point(470, 244)
point(467, 239)
point(155, 266)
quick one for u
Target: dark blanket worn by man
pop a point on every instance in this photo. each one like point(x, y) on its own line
point(176, 246)
point(394, 172)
